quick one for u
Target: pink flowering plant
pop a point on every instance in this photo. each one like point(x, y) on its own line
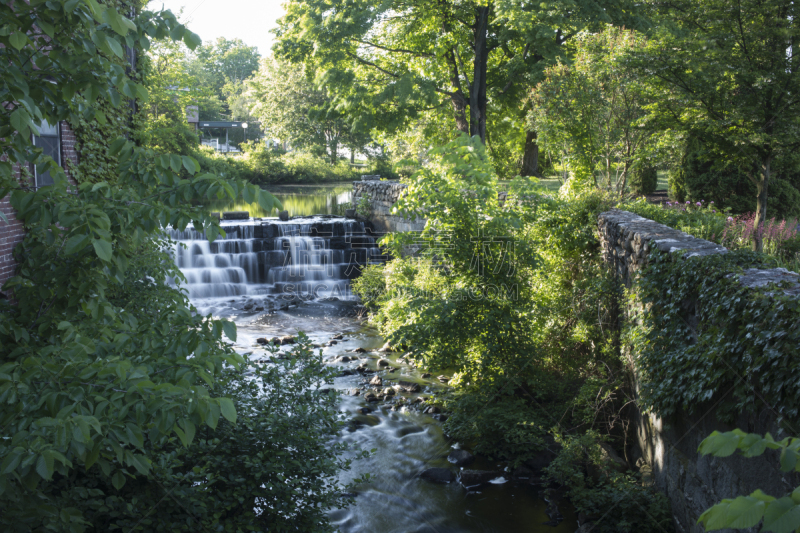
point(777, 235)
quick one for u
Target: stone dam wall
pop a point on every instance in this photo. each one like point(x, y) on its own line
point(693, 482)
point(382, 196)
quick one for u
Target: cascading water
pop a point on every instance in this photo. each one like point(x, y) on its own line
point(273, 262)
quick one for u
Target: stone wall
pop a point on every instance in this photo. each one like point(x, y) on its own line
point(693, 482)
point(383, 195)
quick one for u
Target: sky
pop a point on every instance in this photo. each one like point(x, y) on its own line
point(249, 20)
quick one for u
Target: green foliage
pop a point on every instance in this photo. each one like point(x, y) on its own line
point(701, 331)
point(780, 515)
point(364, 207)
point(504, 426)
point(723, 74)
point(294, 109)
point(261, 165)
point(612, 501)
point(705, 174)
point(107, 375)
point(590, 112)
point(704, 221)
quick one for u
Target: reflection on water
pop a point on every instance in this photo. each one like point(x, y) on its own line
point(330, 199)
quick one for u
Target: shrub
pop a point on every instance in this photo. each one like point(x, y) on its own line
point(644, 180)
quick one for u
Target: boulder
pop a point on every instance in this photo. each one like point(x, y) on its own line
point(425, 375)
point(262, 340)
point(337, 337)
point(359, 350)
point(438, 475)
point(432, 410)
point(474, 478)
point(385, 348)
point(384, 362)
point(460, 457)
point(371, 397)
point(283, 215)
point(376, 380)
point(443, 379)
point(408, 386)
point(388, 391)
point(523, 473)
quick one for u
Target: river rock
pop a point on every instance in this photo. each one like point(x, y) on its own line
point(262, 340)
point(460, 457)
point(359, 350)
point(376, 381)
point(346, 372)
point(385, 348)
point(522, 472)
point(283, 215)
point(443, 379)
point(371, 397)
point(286, 339)
point(432, 410)
point(473, 478)
point(331, 343)
point(343, 359)
point(384, 362)
point(425, 375)
point(408, 386)
point(354, 392)
point(388, 391)
point(337, 337)
point(438, 475)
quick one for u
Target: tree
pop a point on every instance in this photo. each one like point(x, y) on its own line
point(163, 125)
point(109, 379)
point(291, 109)
point(591, 112)
point(726, 71)
point(395, 60)
point(220, 65)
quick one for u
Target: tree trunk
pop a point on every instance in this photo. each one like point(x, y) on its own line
point(352, 156)
point(334, 148)
point(477, 96)
point(761, 205)
point(460, 111)
point(530, 158)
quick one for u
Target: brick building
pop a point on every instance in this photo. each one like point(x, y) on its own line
point(59, 143)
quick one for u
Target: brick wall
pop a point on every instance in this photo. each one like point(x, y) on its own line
point(12, 232)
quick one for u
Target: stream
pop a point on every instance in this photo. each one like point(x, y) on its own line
point(232, 280)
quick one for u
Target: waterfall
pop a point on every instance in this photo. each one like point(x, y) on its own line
point(307, 258)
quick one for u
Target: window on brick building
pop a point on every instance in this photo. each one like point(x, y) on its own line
point(50, 142)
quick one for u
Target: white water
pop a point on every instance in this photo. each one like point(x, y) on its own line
point(310, 258)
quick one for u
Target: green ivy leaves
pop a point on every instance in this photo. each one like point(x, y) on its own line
point(780, 515)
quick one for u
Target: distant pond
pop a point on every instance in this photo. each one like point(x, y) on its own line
point(328, 199)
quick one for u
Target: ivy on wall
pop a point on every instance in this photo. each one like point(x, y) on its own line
point(700, 334)
point(111, 121)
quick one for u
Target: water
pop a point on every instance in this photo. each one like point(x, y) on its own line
point(299, 200)
point(272, 263)
point(227, 275)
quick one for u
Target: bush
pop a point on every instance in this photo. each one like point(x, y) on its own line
point(644, 180)
point(613, 502)
point(261, 165)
